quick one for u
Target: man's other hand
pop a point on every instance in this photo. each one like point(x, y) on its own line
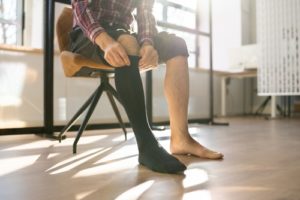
point(114, 53)
point(149, 56)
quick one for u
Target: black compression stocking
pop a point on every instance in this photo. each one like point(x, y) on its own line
point(130, 89)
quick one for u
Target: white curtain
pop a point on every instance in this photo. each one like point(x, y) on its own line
point(278, 35)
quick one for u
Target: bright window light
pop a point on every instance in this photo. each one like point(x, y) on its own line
point(187, 3)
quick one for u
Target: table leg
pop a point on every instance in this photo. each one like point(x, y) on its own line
point(223, 96)
point(273, 106)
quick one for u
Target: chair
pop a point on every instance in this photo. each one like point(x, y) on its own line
point(75, 65)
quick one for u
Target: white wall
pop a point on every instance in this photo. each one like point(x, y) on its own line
point(21, 89)
point(248, 22)
point(227, 30)
point(33, 33)
point(232, 27)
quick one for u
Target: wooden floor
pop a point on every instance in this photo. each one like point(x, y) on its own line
point(262, 162)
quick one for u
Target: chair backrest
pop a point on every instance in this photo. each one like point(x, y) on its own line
point(63, 27)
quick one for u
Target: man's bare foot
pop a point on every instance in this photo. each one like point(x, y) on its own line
point(190, 146)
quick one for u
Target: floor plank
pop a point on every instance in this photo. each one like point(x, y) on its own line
point(262, 162)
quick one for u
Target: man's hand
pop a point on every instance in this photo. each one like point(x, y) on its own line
point(149, 56)
point(114, 53)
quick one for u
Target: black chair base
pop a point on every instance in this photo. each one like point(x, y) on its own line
point(91, 105)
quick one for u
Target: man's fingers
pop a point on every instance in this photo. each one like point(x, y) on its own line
point(116, 55)
point(144, 57)
point(142, 60)
point(155, 60)
point(114, 60)
point(149, 57)
point(149, 61)
point(124, 56)
point(120, 57)
point(119, 60)
point(111, 61)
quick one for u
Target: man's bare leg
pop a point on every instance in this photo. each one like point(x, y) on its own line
point(177, 93)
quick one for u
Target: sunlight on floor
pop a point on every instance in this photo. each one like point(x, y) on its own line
point(82, 195)
point(47, 143)
point(87, 140)
point(75, 161)
point(121, 138)
point(107, 168)
point(121, 159)
point(52, 155)
point(123, 152)
point(194, 130)
point(136, 191)
point(41, 144)
point(9, 165)
point(194, 177)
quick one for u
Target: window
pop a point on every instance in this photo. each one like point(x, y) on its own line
point(11, 21)
point(182, 18)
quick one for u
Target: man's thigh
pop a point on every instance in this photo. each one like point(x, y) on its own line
point(80, 44)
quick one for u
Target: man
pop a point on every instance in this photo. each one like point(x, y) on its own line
point(102, 32)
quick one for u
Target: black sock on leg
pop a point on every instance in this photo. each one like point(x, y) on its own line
point(130, 89)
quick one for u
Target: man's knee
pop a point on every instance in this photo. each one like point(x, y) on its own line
point(178, 43)
point(130, 44)
point(170, 46)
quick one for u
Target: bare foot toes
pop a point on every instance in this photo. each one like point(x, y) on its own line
point(207, 153)
point(190, 146)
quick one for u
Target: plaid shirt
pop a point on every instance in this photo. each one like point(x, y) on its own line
point(87, 14)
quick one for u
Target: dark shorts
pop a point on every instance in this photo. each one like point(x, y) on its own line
point(167, 45)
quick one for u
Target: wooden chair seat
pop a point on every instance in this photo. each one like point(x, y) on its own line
point(76, 65)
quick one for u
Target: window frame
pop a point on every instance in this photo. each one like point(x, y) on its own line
point(18, 22)
point(196, 31)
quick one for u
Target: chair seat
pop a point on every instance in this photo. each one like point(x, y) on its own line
point(76, 65)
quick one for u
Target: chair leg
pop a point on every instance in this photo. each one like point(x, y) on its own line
point(77, 115)
point(88, 115)
point(262, 107)
point(114, 93)
point(116, 110)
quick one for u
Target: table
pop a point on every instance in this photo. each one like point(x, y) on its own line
point(224, 75)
